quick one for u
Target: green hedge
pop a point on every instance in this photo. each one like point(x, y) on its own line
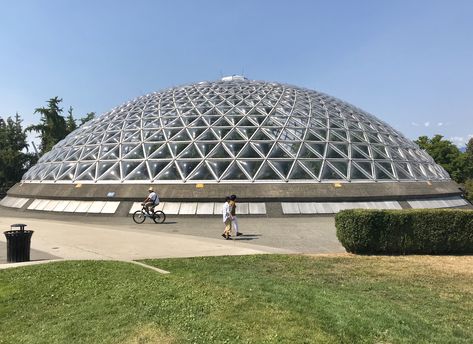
point(426, 231)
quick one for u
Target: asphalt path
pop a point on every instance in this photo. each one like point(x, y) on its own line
point(60, 236)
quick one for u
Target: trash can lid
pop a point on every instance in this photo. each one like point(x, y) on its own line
point(21, 225)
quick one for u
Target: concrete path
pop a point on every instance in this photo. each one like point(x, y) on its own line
point(83, 237)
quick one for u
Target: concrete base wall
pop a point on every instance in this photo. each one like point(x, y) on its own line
point(320, 192)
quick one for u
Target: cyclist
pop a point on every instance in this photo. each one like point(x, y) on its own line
point(151, 201)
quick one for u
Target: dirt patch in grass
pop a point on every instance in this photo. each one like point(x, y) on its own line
point(149, 334)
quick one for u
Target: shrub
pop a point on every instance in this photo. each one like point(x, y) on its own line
point(423, 231)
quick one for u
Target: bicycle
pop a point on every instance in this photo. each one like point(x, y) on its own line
point(139, 216)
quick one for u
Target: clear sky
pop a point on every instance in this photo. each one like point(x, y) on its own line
point(410, 63)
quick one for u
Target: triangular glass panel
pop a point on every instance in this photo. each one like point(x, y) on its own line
point(298, 172)
point(222, 122)
point(373, 138)
point(263, 147)
point(177, 147)
point(249, 152)
point(90, 153)
point(113, 173)
point(162, 152)
point(260, 135)
point(403, 174)
point(112, 137)
point(81, 167)
point(139, 173)
point(268, 173)
point(387, 166)
point(52, 172)
point(395, 154)
point(205, 147)
point(195, 132)
point(313, 165)
point(333, 153)
point(247, 131)
point(278, 152)
point(170, 173)
point(341, 166)
point(203, 172)
point(136, 153)
point(103, 167)
point(250, 166)
point(234, 147)
point(364, 166)
point(329, 173)
point(221, 131)
point(190, 152)
point(381, 173)
point(88, 174)
point(337, 135)
point(234, 135)
point(321, 133)
point(219, 152)
point(67, 172)
point(181, 136)
point(311, 137)
point(246, 123)
point(307, 153)
point(187, 166)
point(356, 137)
point(170, 133)
point(154, 135)
point(218, 166)
point(74, 154)
point(318, 148)
point(357, 173)
point(131, 136)
point(156, 166)
point(208, 135)
point(379, 152)
point(283, 166)
point(359, 152)
point(272, 133)
point(127, 166)
point(291, 147)
point(234, 172)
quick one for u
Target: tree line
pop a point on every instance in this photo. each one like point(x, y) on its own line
point(16, 156)
point(457, 163)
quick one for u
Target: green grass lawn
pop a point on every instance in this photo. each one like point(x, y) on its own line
point(247, 299)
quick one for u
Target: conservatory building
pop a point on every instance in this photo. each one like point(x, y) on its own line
point(281, 149)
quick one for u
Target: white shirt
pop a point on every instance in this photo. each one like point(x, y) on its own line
point(226, 211)
point(154, 197)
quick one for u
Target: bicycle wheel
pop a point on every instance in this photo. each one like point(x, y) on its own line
point(159, 216)
point(139, 217)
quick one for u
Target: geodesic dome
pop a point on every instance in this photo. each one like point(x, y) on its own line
point(235, 131)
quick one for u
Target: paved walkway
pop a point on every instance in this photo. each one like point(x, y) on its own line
point(87, 237)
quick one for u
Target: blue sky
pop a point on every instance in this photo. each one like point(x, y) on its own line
point(410, 63)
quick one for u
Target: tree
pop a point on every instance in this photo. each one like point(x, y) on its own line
point(89, 116)
point(446, 154)
point(53, 127)
point(15, 159)
point(70, 121)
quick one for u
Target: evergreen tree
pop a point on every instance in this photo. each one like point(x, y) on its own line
point(70, 121)
point(52, 127)
point(15, 159)
point(89, 116)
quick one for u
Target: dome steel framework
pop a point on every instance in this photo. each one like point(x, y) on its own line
point(235, 131)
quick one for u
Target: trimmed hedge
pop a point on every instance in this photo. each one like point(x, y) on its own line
point(423, 231)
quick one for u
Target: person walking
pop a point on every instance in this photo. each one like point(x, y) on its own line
point(234, 217)
point(227, 218)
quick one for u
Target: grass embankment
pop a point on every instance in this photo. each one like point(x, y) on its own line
point(249, 299)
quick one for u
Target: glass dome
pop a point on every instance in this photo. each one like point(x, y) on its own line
point(235, 130)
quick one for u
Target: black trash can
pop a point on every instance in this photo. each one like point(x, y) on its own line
point(18, 243)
